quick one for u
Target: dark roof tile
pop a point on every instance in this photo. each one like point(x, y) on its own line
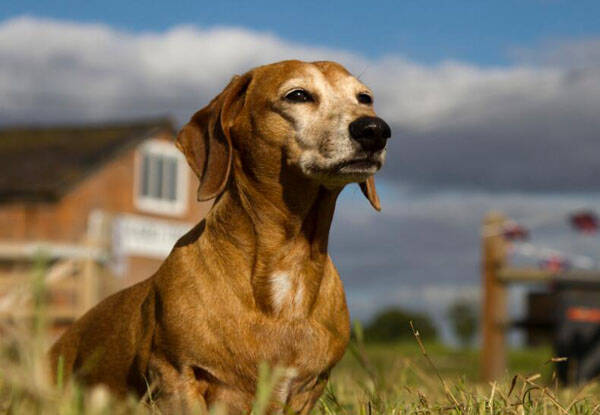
point(42, 163)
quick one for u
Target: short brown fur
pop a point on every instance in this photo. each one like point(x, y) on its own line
point(198, 328)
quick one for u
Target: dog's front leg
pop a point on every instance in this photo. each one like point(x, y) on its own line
point(175, 391)
point(304, 401)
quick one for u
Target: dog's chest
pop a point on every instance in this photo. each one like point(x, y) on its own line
point(300, 353)
point(305, 332)
point(302, 344)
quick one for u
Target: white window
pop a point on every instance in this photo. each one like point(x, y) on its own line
point(161, 185)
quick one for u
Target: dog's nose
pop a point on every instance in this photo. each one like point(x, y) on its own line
point(370, 132)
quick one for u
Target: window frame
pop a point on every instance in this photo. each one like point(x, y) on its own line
point(176, 207)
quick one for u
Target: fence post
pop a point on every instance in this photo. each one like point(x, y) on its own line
point(494, 319)
point(97, 238)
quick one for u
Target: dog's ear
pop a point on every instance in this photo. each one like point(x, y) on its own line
point(206, 142)
point(368, 189)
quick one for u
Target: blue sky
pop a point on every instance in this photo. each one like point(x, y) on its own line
point(481, 32)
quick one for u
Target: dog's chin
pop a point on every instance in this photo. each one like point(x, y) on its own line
point(347, 171)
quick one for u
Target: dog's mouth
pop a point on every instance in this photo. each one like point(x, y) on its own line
point(357, 166)
point(346, 171)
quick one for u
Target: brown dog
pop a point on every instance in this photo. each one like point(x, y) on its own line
point(253, 281)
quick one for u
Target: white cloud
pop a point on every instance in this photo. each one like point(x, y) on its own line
point(62, 70)
point(427, 98)
point(54, 70)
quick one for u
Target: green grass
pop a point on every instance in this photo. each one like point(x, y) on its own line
point(416, 378)
point(392, 375)
point(452, 363)
point(370, 379)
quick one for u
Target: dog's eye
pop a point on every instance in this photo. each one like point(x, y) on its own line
point(364, 98)
point(299, 95)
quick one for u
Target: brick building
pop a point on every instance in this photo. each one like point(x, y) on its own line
point(58, 183)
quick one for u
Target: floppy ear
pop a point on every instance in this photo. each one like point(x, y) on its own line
point(368, 189)
point(206, 142)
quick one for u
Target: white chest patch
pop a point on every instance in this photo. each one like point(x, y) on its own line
point(286, 292)
point(281, 285)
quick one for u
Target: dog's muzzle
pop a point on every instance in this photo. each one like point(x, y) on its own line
point(370, 132)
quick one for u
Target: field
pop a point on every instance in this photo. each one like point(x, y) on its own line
point(400, 379)
point(403, 378)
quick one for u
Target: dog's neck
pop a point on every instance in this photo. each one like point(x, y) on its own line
point(279, 229)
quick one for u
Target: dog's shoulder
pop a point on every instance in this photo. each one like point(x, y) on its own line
point(191, 236)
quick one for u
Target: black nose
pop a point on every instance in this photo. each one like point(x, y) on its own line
point(370, 132)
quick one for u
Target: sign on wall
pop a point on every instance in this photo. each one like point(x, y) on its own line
point(135, 235)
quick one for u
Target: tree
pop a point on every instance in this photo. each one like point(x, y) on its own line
point(463, 319)
point(392, 324)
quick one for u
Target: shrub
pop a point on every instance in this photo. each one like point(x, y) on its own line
point(392, 324)
point(463, 319)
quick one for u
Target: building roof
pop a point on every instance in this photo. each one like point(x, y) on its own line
point(43, 163)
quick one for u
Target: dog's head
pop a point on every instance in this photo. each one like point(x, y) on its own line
point(317, 116)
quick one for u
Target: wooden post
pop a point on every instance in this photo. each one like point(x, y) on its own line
point(97, 238)
point(89, 287)
point(494, 319)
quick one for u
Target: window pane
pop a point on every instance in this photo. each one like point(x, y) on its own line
point(171, 178)
point(145, 176)
point(159, 177)
point(154, 188)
